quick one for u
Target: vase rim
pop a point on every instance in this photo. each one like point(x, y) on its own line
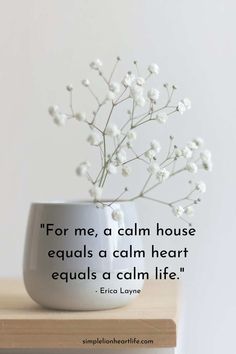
point(78, 202)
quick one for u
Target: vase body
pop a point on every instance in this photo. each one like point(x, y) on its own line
point(53, 281)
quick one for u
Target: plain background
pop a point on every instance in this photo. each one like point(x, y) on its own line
point(49, 43)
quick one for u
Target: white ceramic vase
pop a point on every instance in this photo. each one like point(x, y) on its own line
point(49, 280)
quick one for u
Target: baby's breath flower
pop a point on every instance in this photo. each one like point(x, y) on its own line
point(192, 145)
point(128, 80)
point(191, 167)
point(110, 96)
point(131, 135)
point(53, 110)
point(178, 211)
point(96, 64)
point(189, 211)
point(80, 116)
point(207, 165)
point(187, 103)
point(112, 130)
point(153, 68)
point(140, 101)
point(136, 91)
point(199, 141)
point(206, 160)
point(140, 81)
point(162, 117)
point(69, 87)
point(60, 119)
point(115, 87)
point(178, 152)
point(86, 82)
point(111, 168)
point(126, 171)
point(201, 187)
point(121, 156)
point(153, 94)
point(96, 192)
point(117, 214)
point(186, 152)
point(94, 139)
point(82, 169)
point(205, 156)
point(155, 145)
point(181, 107)
point(162, 175)
point(153, 168)
point(150, 154)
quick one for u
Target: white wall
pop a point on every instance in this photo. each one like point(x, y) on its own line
point(46, 44)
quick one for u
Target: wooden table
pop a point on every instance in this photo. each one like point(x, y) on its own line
point(149, 322)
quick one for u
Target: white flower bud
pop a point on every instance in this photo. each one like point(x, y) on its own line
point(201, 187)
point(155, 145)
point(111, 168)
point(80, 116)
point(153, 94)
point(115, 87)
point(189, 211)
point(110, 96)
point(187, 103)
point(94, 139)
point(126, 171)
point(150, 154)
point(131, 135)
point(96, 64)
point(60, 119)
point(162, 117)
point(191, 167)
point(96, 192)
point(162, 175)
point(69, 87)
point(117, 214)
point(86, 82)
point(128, 80)
point(112, 130)
point(178, 211)
point(53, 110)
point(82, 169)
point(186, 152)
point(181, 107)
point(153, 68)
point(153, 168)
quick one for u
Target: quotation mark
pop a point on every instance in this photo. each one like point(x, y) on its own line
point(181, 269)
point(42, 226)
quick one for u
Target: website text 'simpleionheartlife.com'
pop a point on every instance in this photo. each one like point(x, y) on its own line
point(102, 341)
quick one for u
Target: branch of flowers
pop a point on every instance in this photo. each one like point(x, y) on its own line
point(94, 95)
point(104, 78)
point(97, 110)
point(170, 163)
point(119, 197)
point(156, 200)
point(146, 183)
point(71, 102)
point(136, 66)
point(105, 172)
point(91, 124)
point(114, 69)
point(172, 175)
point(119, 97)
point(109, 117)
point(137, 157)
point(184, 198)
point(132, 116)
point(124, 99)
